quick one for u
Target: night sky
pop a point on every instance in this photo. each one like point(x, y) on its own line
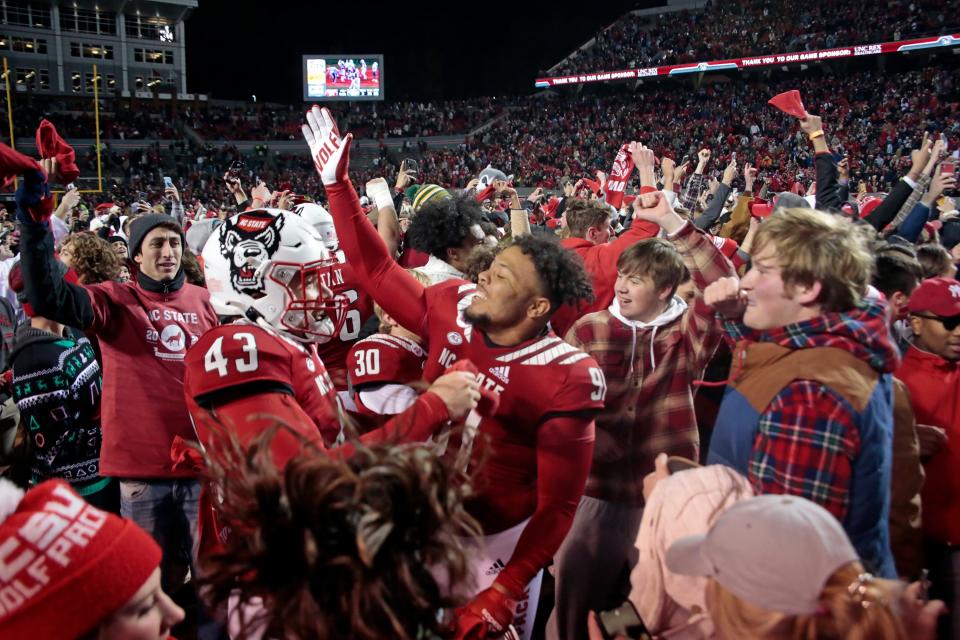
point(431, 50)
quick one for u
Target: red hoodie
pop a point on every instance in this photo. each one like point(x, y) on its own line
point(601, 263)
point(934, 385)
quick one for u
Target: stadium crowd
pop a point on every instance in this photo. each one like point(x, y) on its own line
point(876, 115)
point(721, 31)
point(699, 381)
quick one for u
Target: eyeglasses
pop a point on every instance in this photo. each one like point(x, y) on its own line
point(949, 324)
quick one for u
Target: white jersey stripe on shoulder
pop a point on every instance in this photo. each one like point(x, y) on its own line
point(468, 286)
point(549, 341)
point(546, 357)
point(395, 342)
point(577, 357)
point(381, 340)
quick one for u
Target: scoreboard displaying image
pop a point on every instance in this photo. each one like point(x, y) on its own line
point(342, 77)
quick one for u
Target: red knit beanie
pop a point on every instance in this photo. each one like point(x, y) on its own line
point(65, 566)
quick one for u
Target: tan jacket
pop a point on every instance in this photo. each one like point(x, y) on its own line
point(906, 482)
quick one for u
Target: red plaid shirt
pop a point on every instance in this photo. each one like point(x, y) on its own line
point(807, 439)
point(650, 373)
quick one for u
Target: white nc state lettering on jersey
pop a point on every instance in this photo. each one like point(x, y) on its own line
point(332, 278)
point(489, 383)
point(176, 316)
point(446, 358)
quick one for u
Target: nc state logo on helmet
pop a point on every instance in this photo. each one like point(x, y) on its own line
point(271, 265)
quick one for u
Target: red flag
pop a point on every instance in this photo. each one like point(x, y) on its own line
point(617, 182)
point(12, 164)
point(789, 102)
point(51, 145)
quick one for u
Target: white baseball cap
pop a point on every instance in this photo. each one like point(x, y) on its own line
point(774, 551)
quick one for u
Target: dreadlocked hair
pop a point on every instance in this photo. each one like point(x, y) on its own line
point(338, 548)
point(562, 274)
point(444, 223)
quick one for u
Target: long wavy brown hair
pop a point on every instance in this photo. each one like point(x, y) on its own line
point(91, 257)
point(366, 547)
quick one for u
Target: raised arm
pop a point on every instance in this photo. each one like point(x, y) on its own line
point(828, 196)
point(884, 214)
point(48, 293)
point(388, 226)
point(709, 217)
point(400, 295)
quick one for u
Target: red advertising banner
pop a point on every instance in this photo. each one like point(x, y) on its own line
point(902, 46)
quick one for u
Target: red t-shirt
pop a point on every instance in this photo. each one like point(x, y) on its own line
point(144, 337)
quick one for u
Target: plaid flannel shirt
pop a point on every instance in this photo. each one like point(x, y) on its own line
point(807, 438)
point(649, 404)
point(691, 193)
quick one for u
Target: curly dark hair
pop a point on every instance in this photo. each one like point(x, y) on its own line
point(479, 261)
point(91, 257)
point(339, 548)
point(444, 223)
point(562, 274)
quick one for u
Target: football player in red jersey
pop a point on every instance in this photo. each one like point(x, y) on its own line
point(382, 365)
point(538, 445)
point(267, 268)
point(341, 281)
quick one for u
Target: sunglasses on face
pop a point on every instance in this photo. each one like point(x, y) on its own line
point(949, 324)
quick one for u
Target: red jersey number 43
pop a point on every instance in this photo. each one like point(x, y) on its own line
point(214, 359)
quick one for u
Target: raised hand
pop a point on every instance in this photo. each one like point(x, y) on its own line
point(71, 198)
point(811, 124)
point(703, 157)
point(730, 172)
point(920, 157)
point(404, 179)
point(749, 177)
point(232, 182)
point(645, 161)
point(261, 195)
point(330, 151)
point(460, 392)
point(843, 169)
point(726, 298)
point(285, 201)
point(653, 207)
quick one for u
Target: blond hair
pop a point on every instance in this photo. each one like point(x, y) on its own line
point(852, 607)
point(420, 277)
point(812, 246)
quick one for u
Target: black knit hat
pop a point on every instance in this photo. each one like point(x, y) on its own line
point(143, 225)
point(950, 233)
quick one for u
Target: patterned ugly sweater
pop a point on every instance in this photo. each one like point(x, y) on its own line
point(56, 385)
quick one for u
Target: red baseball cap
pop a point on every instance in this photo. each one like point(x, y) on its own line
point(939, 296)
point(868, 205)
point(761, 209)
point(727, 246)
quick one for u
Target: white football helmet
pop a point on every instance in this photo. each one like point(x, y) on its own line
point(321, 220)
point(274, 263)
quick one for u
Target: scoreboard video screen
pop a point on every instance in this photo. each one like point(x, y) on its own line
point(342, 77)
